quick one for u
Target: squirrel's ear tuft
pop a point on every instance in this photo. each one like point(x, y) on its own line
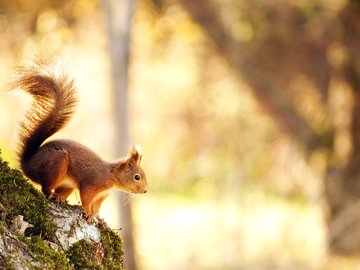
point(135, 156)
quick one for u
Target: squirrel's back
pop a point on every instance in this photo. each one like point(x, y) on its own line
point(54, 100)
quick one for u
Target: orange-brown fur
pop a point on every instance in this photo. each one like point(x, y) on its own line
point(60, 166)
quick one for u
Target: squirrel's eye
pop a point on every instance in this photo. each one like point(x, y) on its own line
point(137, 177)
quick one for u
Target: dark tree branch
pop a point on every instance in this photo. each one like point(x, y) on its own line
point(277, 100)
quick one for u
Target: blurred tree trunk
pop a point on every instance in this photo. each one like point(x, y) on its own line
point(119, 14)
point(268, 64)
point(342, 184)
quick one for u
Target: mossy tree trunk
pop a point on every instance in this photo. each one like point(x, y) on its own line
point(36, 233)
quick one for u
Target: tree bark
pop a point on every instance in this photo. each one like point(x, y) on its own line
point(274, 100)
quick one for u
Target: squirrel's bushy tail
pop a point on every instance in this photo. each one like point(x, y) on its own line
point(54, 100)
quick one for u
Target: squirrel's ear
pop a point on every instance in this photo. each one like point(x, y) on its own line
point(135, 156)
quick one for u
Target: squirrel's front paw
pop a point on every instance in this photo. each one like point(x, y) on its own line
point(90, 218)
point(101, 221)
point(95, 219)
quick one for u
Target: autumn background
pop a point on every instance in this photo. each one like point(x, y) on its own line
point(248, 114)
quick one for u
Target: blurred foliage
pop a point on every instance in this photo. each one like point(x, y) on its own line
point(300, 60)
point(220, 135)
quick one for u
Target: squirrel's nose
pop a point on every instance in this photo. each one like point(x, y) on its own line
point(145, 190)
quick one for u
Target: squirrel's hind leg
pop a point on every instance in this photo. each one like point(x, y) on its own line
point(62, 193)
point(55, 172)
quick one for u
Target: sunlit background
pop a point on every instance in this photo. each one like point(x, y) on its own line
point(230, 187)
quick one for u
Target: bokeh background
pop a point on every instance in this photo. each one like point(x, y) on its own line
point(248, 114)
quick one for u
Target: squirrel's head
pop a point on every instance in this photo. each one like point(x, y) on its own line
point(129, 174)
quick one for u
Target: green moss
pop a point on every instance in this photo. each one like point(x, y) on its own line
point(91, 255)
point(46, 255)
point(19, 197)
point(86, 254)
point(113, 252)
point(7, 263)
point(3, 227)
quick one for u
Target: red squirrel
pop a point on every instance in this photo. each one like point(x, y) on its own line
point(60, 166)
